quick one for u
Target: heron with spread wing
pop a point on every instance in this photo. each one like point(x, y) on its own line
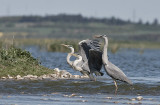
point(89, 58)
point(112, 70)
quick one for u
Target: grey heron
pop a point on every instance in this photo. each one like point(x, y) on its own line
point(112, 70)
point(76, 65)
point(89, 58)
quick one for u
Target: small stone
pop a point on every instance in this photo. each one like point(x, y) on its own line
point(76, 76)
point(3, 77)
point(115, 102)
point(84, 100)
point(56, 70)
point(32, 77)
point(35, 76)
point(45, 77)
point(81, 96)
point(133, 99)
point(109, 97)
point(53, 75)
point(139, 98)
point(55, 93)
point(64, 74)
point(18, 77)
point(9, 77)
point(40, 78)
point(84, 76)
point(65, 95)
point(28, 76)
point(72, 95)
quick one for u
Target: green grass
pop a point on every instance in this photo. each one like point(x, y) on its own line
point(54, 45)
point(15, 61)
point(113, 46)
point(74, 30)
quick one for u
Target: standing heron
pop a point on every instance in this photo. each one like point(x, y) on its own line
point(76, 65)
point(89, 58)
point(113, 71)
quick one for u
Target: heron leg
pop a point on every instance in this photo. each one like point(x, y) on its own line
point(83, 73)
point(115, 83)
point(92, 77)
point(98, 73)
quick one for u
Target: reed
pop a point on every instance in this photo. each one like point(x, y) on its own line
point(54, 45)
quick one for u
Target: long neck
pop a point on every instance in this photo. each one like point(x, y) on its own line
point(104, 55)
point(72, 50)
point(77, 61)
point(69, 56)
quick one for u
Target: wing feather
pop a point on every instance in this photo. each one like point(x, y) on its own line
point(95, 60)
point(116, 73)
point(86, 45)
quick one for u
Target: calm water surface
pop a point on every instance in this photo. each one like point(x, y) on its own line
point(142, 68)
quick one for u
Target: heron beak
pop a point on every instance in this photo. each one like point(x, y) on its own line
point(75, 55)
point(97, 36)
point(64, 45)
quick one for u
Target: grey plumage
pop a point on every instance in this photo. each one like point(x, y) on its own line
point(91, 55)
point(113, 71)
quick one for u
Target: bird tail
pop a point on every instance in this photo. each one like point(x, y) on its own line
point(129, 82)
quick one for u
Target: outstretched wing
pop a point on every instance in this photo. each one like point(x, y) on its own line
point(116, 73)
point(85, 46)
point(95, 60)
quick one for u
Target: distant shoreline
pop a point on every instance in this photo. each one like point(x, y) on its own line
point(54, 45)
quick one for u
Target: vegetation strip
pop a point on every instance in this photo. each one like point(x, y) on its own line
point(54, 45)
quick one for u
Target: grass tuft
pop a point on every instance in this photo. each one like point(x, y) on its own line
point(15, 61)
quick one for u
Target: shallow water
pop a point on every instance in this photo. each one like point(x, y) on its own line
point(143, 70)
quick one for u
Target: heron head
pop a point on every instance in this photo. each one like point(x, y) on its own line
point(76, 55)
point(100, 36)
point(69, 46)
